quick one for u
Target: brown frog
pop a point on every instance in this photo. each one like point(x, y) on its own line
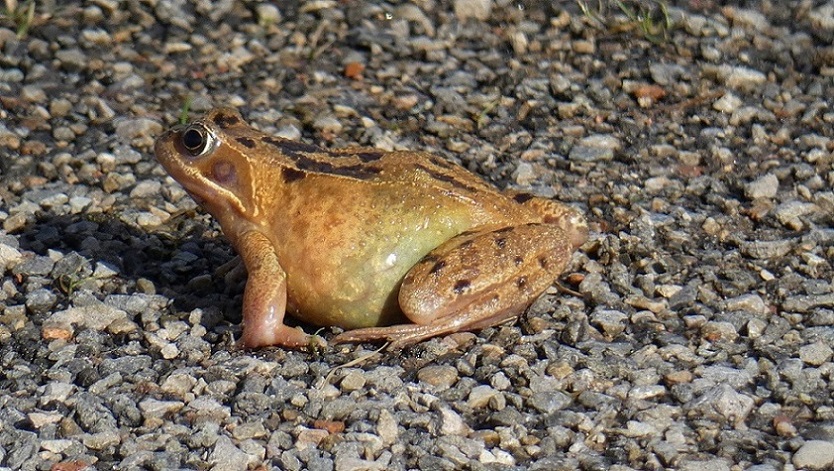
point(398, 246)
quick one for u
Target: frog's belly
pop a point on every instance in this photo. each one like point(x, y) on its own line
point(353, 281)
point(329, 295)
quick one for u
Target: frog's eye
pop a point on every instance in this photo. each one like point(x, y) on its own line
point(196, 140)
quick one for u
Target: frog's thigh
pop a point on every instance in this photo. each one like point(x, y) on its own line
point(474, 281)
point(486, 273)
point(265, 296)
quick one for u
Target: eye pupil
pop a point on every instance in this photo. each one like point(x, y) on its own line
point(194, 140)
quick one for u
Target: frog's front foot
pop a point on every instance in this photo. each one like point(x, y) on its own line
point(265, 298)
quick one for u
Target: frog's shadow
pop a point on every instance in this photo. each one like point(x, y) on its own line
point(172, 262)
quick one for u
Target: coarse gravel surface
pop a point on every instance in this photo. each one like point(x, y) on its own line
point(697, 324)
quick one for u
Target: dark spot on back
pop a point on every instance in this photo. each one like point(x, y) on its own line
point(362, 172)
point(522, 198)
point(501, 242)
point(518, 261)
point(446, 178)
point(461, 286)
point(437, 267)
point(543, 262)
point(440, 162)
point(291, 174)
point(296, 146)
point(248, 142)
point(521, 282)
point(292, 149)
point(369, 156)
point(307, 157)
point(226, 120)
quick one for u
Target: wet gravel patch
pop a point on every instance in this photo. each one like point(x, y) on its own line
point(701, 336)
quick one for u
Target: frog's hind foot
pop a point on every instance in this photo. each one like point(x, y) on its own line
point(403, 335)
point(399, 336)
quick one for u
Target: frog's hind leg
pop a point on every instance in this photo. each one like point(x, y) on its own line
point(475, 280)
point(407, 334)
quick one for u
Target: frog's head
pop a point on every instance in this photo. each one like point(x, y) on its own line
point(211, 159)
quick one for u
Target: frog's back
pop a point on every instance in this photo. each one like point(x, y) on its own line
point(287, 174)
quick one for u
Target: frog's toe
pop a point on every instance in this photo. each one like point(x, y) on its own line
point(399, 335)
point(316, 342)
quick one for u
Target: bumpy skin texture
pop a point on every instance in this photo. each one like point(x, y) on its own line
point(363, 239)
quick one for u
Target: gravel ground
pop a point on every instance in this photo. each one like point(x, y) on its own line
point(699, 335)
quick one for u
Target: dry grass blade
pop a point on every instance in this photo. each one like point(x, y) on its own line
point(353, 362)
point(650, 16)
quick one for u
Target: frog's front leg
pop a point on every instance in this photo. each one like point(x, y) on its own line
point(475, 280)
point(265, 297)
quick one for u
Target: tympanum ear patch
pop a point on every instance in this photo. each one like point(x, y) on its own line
point(223, 172)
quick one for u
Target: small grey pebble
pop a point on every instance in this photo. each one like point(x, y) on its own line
point(767, 249)
point(146, 189)
point(268, 14)
point(815, 354)
point(475, 9)
point(609, 321)
point(37, 266)
point(33, 94)
point(133, 128)
point(480, 396)
point(788, 213)
point(9, 256)
point(440, 376)
point(550, 402)
point(747, 302)
point(728, 103)
point(229, 457)
point(716, 464)
point(721, 403)
point(740, 77)
point(73, 60)
point(40, 300)
point(814, 454)
point(666, 74)
point(823, 16)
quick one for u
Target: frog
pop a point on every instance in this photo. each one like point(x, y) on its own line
point(391, 246)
